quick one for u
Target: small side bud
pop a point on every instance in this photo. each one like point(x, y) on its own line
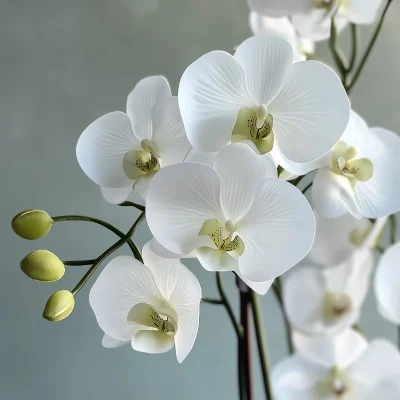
point(32, 224)
point(59, 306)
point(43, 266)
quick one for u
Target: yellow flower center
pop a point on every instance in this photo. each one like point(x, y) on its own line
point(255, 125)
point(336, 305)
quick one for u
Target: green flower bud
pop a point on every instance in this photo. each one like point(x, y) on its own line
point(43, 266)
point(32, 224)
point(59, 306)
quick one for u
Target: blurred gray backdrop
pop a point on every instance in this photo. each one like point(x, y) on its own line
point(62, 65)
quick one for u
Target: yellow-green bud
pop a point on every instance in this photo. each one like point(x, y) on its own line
point(43, 266)
point(59, 306)
point(32, 224)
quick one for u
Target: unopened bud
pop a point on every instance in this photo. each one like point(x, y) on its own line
point(43, 266)
point(59, 306)
point(32, 224)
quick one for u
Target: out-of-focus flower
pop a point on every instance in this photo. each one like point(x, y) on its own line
point(154, 306)
point(122, 152)
point(387, 284)
point(236, 216)
point(340, 367)
point(327, 301)
point(363, 176)
point(299, 110)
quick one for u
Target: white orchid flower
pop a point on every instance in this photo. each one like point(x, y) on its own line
point(121, 152)
point(154, 306)
point(342, 367)
point(312, 18)
point(299, 110)
point(327, 301)
point(283, 28)
point(387, 284)
point(337, 238)
point(236, 216)
point(363, 176)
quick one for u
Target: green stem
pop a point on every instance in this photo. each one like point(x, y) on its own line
point(105, 224)
point(131, 204)
point(393, 229)
point(355, 36)
point(369, 48)
point(337, 53)
point(212, 301)
point(104, 255)
point(307, 187)
point(238, 328)
point(262, 345)
point(380, 248)
point(79, 262)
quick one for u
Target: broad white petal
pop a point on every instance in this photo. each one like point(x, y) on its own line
point(304, 292)
point(211, 92)
point(110, 343)
point(277, 232)
point(142, 185)
point(102, 146)
point(259, 287)
point(117, 195)
point(263, 25)
point(216, 260)
point(266, 61)
point(141, 100)
point(387, 284)
point(181, 198)
point(240, 170)
point(152, 342)
point(168, 131)
point(295, 378)
point(361, 11)
point(182, 291)
point(201, 157)
point(310, 113)
point(127, 282)
point(328, 197)
point(341, 350)
point(279, 8)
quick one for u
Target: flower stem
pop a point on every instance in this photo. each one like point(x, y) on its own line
point(262, 345)
point(393, 229)
point(212, 301)
point(104, 255)
point(355, 36)
point(337, 53)
point(79, 262)
point(105, 224)
point(131, 204)
point(368, 51)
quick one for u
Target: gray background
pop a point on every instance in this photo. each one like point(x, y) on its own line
point(63, 64)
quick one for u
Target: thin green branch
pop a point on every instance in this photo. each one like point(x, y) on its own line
point(355, 41)
point(238, 328)
point(368, 51)
point(212, 301)
point(79, 262)
point(104, 255)
point(337, 53)
point(131, 204)
point(262, 344)
point(393, 229)
point(307, 187)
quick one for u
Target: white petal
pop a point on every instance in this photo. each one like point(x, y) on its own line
point(110, 343)
point(332, 243)
point(280, 217)
point(304, 292)
point(216, 260)
point(181, 198)
point(295, 378)
point(117, 195)
point(387, 284)
point(328, 196)
point(266, 61)
point(201, 157)
point(341, 350)
point(361, 11)
point(141, 100)
point(279, 8)
point(240, 170)
point(182, 291)
point(127, 282)
point(310, 113)
point(211, 92)
point(259, 287)
point(168, 131)
point(152, 342)
point(101, 149)
point(142, 185)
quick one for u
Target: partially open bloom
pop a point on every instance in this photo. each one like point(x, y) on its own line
point(337, 238)
point(235, 216)
point(344, 367)
point(312, 18)
point(155, 305)
point(297, 110)
point(327, 301)
point(387, 284)
point(121, 152)
point(363, 176)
